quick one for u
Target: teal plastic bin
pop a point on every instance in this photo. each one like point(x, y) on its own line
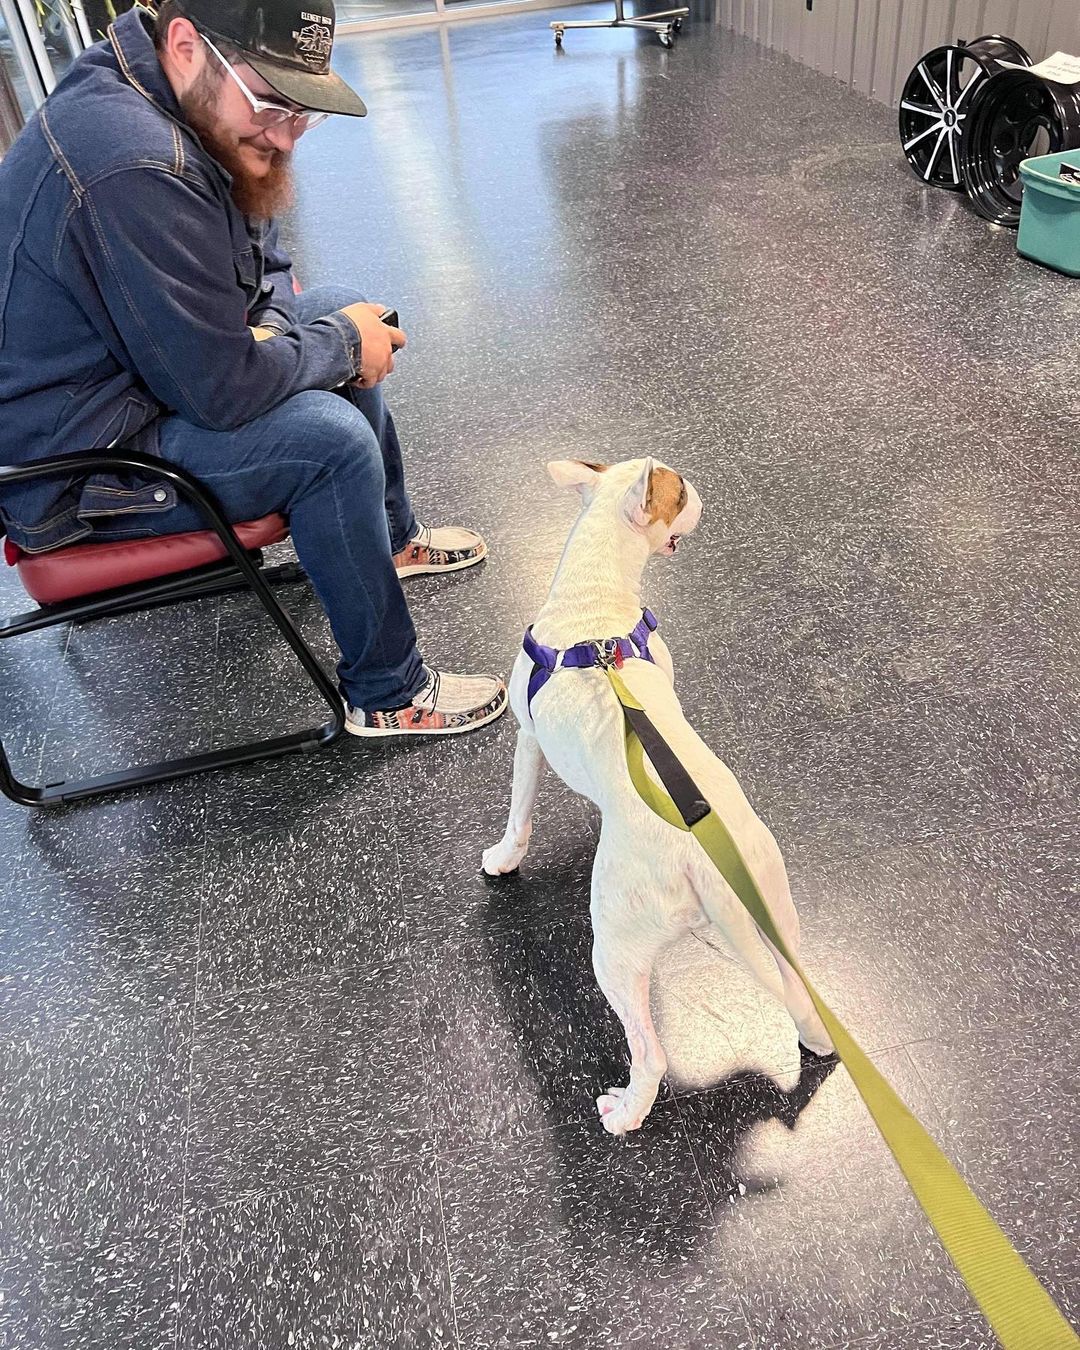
point(1050, 213)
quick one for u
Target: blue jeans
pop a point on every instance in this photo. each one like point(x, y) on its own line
point(330, 463)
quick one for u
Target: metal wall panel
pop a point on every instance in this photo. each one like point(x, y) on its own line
point(872, 44)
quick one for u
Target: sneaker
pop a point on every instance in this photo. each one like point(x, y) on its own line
point(447, 548)
point(447, 704)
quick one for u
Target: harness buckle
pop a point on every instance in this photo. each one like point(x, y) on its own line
point(608, 653)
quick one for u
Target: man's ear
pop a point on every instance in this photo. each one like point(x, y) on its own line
point(635, 500)
point(183, 44)
point(574, 473)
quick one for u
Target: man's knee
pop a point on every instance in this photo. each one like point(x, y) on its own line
point(322, 300)
point(335, 435)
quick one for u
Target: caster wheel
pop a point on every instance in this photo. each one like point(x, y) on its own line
point(558, 39)
point(666, 40)
point(676, 26)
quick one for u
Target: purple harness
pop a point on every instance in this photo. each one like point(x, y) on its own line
point(601, 652)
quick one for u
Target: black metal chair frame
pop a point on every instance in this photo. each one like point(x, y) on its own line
point(240, 570)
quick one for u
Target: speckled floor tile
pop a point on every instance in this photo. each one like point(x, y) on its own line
point(815, 1223)
point(570, 1235)
point(1044, 441)
point(902, 614)
point(1003, 597)
point(305, 795)
point(78, 946)
point(517, 1034)
point(117, 1295)
point(261, 690)
point(979, 923)
point(361, 1262)
point(469, 620)
point(190, 624)
point(441, 836)
point(92, 1149)
point(281, 905)
point(139, 825)
point(714, 1019)
point(30, 669)
point(1007, 1098)
point(116, 708)
point(729, 1125)
point(958, 1331)
point(305, 1082)
point(944, 762)
point(14, 835)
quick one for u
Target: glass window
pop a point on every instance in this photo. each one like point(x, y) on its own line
point(354, 11)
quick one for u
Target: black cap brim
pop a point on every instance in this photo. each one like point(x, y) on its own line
point(321, 93)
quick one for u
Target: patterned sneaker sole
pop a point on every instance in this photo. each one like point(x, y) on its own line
point(391, 726)
point(428, 569)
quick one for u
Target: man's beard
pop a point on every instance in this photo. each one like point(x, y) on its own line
point(262, 198)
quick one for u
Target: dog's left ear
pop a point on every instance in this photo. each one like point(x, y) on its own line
point(636, 499)
point(574, 472)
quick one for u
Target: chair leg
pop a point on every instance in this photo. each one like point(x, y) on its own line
point(244, 573)
point(243, 569)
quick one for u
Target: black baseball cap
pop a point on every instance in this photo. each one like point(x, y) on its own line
point(288, 42)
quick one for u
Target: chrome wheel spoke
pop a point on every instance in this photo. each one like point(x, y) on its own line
point(937, 151)
point(977, 78)
point(930, 85)
point(952, 155)
point(923, 135)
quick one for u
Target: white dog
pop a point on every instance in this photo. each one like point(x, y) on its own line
point(651, 882)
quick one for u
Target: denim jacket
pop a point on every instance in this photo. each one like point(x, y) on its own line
point(128, 279)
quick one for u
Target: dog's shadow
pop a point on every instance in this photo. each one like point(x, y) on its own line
point(640, 1192)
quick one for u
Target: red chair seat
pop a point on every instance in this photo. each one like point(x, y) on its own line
point(84, 569)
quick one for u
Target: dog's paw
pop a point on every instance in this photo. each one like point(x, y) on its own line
point(814, 1037)
point(819, 1050)
point(613, 1112)
point(501, 859)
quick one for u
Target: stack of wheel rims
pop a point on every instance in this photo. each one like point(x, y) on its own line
point(968, 117)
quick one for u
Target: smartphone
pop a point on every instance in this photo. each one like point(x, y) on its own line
point(389, 316)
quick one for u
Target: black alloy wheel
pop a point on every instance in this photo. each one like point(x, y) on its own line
point(936, 102)
point(1014, 116)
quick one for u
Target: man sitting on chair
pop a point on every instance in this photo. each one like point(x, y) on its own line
point(146, 301)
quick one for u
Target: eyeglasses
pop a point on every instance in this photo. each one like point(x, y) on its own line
point(264, 113)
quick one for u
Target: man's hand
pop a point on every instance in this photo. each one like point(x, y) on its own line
point(376, 352)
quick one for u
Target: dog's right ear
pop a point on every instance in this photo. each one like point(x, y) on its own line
point(574, 472)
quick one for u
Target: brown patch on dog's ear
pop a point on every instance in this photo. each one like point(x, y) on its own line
point(574, 473)
point(596, 468)
point(667, 495)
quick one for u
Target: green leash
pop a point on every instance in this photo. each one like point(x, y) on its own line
point(1020, 1311)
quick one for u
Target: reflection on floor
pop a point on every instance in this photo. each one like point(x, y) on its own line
point(277, 1068)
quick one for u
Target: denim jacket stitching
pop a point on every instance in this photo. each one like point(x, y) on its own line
point(65, 542)
point(126, 492)
point(62, 229)
point(44, 524)
point(16, 244)
point(128, 74)
point(352, 344)
point(162, 165)
point(54, 145)
point(136, 509)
